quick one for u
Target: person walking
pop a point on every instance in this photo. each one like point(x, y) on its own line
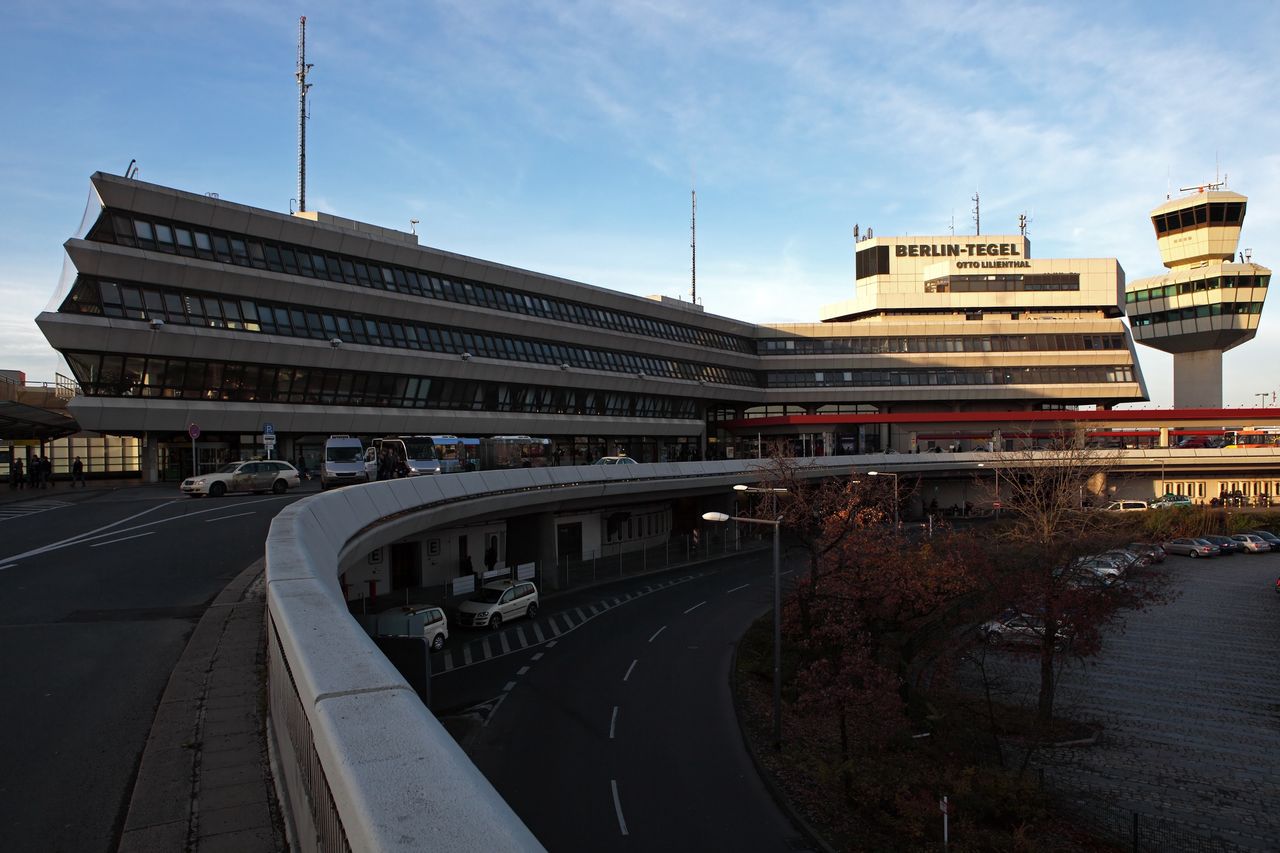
point(15, 474)
point(33, 471)
point(46, 472)
point(77, 473)
point(302, 466)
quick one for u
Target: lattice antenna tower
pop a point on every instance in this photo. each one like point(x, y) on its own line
point(303, 87)
point(693, 248)
point(977, 214)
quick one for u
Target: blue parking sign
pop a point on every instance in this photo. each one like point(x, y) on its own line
point(268, 429)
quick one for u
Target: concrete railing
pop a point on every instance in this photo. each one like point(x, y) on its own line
point(361, 763)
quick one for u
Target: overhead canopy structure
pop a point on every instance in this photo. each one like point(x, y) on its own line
point(19, 421)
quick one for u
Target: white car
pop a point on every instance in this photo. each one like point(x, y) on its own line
point(615, 460)
point(256, 476)
point(435, 627)
point(1127, 506)
point(497, 602)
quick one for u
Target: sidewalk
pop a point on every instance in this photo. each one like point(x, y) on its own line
point(205, 782)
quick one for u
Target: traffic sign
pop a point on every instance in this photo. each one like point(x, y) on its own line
point(268, 440)
point(268, 429)
point(193, 431)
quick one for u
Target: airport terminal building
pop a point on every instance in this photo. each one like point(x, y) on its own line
point(176, 308)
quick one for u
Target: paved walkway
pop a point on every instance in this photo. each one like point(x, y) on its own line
point(205, 782)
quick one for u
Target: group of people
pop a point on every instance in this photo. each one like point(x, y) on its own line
point(390, 465)
point(37, 473)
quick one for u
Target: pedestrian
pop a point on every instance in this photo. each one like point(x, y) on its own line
point(33, 471)
point(77, 473)
point(302, 466)
point(384, 464)
point(15, 474)
point(491, 554)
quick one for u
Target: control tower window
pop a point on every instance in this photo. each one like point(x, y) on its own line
point(872, 261)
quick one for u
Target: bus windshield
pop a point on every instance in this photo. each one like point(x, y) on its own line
point(419, 447)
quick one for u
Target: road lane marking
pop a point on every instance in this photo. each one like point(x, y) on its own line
point(617, 806)
point(537, 632)
point(694, 607)
point(551, 645)
point(520, 635)
point(123, 539)
point(736, 588)
point(633, 666)
point(9, 566)
point(581, 615)
point(506, 647)
point(493, 710)
point(522, 670)
point(555, 629)
point(613, 722)
point(225, 517)
point(657, 632)
point(466, 655)
point(448, 660)
point(538, 656)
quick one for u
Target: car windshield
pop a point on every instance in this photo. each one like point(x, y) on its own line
point(488, 596)
point(229, 469)
point(343, 454)
point(420, 447)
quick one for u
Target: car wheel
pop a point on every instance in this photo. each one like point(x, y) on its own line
point(495, 621)
point(532, 611)
point(438, 643)
point(279, 487)
point(217, 490)
point(1193, 554)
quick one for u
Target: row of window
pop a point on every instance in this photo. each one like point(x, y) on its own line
point(1168, 290)
point(940, 343)
point(950, 376)
point(139, 302)
point(1217, 309)
point(245, 251)
point(1002, 283)
point(871, 261)
point(106, 375)
point(1214, 213)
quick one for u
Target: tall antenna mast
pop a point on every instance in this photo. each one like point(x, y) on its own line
point(693, 247)
point(977, 214)
point(303, 86)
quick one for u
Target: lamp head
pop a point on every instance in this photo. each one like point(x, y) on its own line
point(714, 516)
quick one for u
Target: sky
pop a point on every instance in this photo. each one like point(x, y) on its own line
point(565, 137)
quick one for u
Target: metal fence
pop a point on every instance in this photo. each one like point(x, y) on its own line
point(717, 541)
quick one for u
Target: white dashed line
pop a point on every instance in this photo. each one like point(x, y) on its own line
point(522, 670)
point(694, 607)
point(633, 666)
point(510, 684)
point(124, 539)
point(537, 632)
point(555, 629)
point(520, 635)
point(657, 632)
point(613, 722)
point(225, 517)
point(9, 566)
point(506, 648)
point(736, 588)
point(617, 806)
point(551, 645)
point(466, 655)
point(537, 656)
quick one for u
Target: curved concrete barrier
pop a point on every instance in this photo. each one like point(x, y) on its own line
point(360, 762)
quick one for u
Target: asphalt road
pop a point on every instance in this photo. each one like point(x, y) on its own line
point(618, 730)
point(99, 592)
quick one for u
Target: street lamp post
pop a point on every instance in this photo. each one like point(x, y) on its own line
point(895, 492)
point(776, 523)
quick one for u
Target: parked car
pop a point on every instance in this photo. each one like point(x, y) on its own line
point(1152, 549)
point(255, 476)
point(1225, 544)
point(615, 460)
point(1169, 500)
point(1252, 543)
point(1192, 547)
point(1013, 626)
point(1128, 559)
point(1096, 571)
point(1127, 506)
point(497, 602)
point(1269, 537)
point(435, 627)
point(1194, 442)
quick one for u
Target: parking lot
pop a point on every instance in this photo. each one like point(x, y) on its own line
point(1188, 694)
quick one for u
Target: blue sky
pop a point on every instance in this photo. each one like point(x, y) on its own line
point(564, 136)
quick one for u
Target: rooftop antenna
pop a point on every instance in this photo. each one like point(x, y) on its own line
point(1022, 224)
point(693, 248)
point(977, 214)
point(953, 222)
point(413, 226)
point(303, 86)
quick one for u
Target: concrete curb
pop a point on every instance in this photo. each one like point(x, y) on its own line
point(204, 782)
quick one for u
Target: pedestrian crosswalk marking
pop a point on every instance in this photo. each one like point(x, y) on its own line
point(26, 508)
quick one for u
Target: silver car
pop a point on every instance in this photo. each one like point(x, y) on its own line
point(1252, 543)
point(255, 476)
point(1192, 547)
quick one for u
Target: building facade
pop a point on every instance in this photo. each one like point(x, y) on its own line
point(177, 309)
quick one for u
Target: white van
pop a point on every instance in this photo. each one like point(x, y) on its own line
point(343, 462)
point(1127, 506)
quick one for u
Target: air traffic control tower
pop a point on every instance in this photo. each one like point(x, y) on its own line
point(1208, 302)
